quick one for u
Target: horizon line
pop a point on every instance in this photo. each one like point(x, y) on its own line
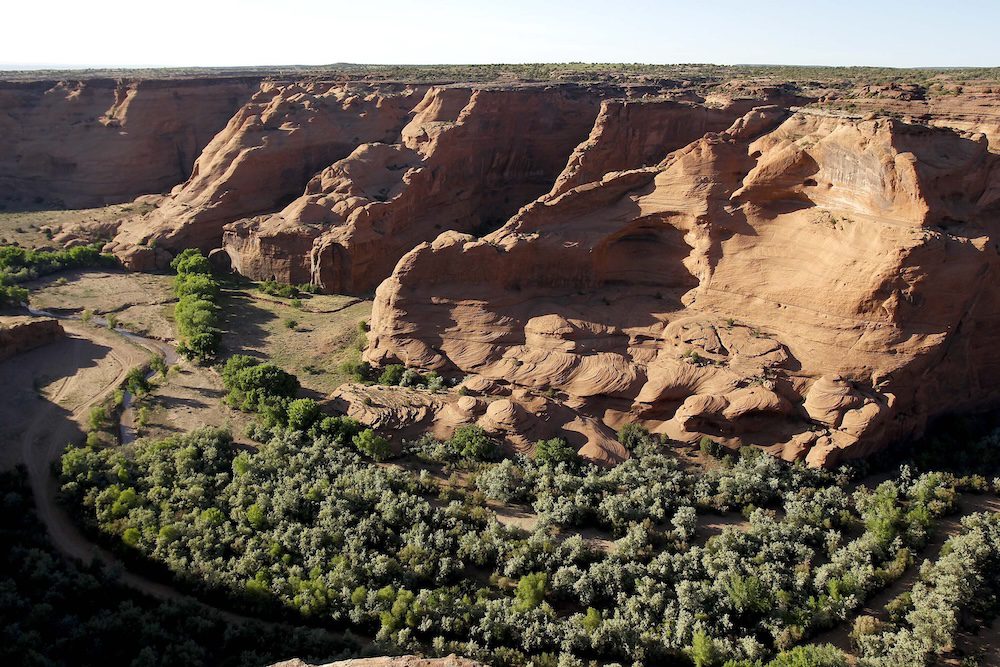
point(30, 66)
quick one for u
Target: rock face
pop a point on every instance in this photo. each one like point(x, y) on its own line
point(811, 284)
point(20, 334)
point(264, 157)
point(634, 133)
point(751, 261)
point(517, 416)
point(363, 172)
point(101, 141)
point(468, 159)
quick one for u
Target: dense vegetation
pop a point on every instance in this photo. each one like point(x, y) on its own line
point(274, 288)
point(926, 618)
point(263, 388)
point(196, 313)
point(54, 612)
point(306, 524)
point(18, 265)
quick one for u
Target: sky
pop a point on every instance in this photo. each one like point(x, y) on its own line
point(218, 33)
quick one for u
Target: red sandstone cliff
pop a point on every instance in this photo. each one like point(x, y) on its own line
point(95, 142)
point(386, 166)
point(263, 158)
point(468, 159)
point(811, 284)
point(818, 281)
point(628, 134)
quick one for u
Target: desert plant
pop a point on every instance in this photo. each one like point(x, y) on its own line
point(372, 444)
point(392, 374)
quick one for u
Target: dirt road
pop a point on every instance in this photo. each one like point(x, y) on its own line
point(52, 389)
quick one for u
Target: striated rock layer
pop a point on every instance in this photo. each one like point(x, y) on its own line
point(811, 284)
point(752, 261)
point(467, 160)
point(90, 143)
point(331, 182)
point(263, 158)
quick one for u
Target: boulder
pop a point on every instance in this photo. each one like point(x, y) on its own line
point(21, 334)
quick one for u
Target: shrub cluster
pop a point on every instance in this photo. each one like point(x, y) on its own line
point(399, 375)
point(392, 375)
point(261, 387)
point(555, 451)
point(196, 313)
point(968, 571)
point(306, 523)
point(469, 444)
point(11, 295)
point(18, 265)
point(257, 386)
point(353, 367)
point(274, 288)
point(56, 612)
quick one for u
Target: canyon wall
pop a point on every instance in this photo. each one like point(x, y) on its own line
point(262, 159)
point(332, 182)
point(812, 284)
point(468, 159)
point(809, 269)
point(89, 143)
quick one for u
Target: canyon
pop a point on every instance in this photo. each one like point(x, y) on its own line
point(806, 267)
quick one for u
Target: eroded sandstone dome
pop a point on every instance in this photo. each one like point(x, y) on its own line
point(812, 284)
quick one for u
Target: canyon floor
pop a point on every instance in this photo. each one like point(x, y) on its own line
point(311, 335)
point(53, 387)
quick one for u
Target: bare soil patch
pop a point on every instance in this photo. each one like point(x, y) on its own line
point(141, 302)
point(69, 374)
point(710, 525)
point(191, 397)
point(28, 228)
point(982, 643)
point(310, 341)
point(50, 391)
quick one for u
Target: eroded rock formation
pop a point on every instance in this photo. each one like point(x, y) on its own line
point(807, 268)
point(263, 158)
point(635, 133)
point(90, 143)
point(364, 172)
point(812, 284)
point(468, 159)
point(22, 333)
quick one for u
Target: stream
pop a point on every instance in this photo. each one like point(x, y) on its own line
point(126, 428)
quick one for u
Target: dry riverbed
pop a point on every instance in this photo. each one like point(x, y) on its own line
point(140, 302)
